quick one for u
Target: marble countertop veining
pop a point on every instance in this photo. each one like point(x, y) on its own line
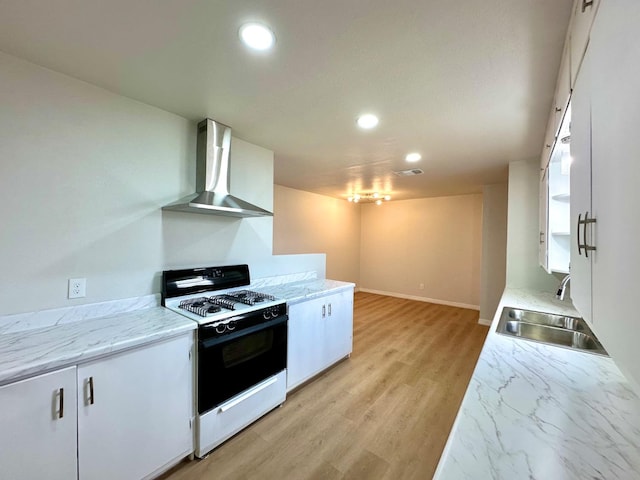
point(24, 354)
point(37, 342)
point(542, 412)
point(295, 292)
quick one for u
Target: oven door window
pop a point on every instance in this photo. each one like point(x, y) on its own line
point(232, 366)
point(247, 348)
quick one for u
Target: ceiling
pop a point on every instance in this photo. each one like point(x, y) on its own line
point(469, 84)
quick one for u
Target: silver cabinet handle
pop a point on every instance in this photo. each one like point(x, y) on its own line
point(584, 245)
point(587, 248)
point(91, 399)
point(324, 311)
point(585, 4)
point(578, 234)
point(329, 309)
point(541, 238)
point(61, 402)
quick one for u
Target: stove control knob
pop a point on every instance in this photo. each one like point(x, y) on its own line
point(231, 325)
point(221, 328)
point(266, 315)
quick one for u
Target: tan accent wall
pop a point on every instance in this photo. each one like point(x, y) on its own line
point(305, 222)
point(426, 248)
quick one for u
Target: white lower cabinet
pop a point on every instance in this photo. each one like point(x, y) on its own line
point(135, 411)
point(126, 416)
point(320, 333)
point(38, 420)
point(338, 327)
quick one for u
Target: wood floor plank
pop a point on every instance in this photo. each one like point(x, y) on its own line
point(384, 413)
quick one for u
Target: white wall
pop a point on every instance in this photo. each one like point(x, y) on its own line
point(84, 173)
point(432, 241)
point(305, 222)
point(494, 249)
point(523, 269)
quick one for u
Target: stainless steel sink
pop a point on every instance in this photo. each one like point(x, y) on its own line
point(560, 330)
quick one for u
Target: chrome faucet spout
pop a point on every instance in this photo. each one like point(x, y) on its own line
point(563, 287)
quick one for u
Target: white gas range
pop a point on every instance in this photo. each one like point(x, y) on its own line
point(242, 348)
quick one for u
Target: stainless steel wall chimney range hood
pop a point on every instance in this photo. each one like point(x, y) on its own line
point(212, 177)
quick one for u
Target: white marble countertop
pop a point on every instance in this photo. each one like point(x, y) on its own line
point(36, 342)
point(295, 292)
point(542, 412)
point(27, 353)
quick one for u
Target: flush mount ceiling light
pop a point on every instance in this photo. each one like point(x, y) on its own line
point(374, 197)
point(257, 36)
point(367, 121)
point(413, 157)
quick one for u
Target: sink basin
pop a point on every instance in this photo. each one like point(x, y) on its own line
point(560, 330)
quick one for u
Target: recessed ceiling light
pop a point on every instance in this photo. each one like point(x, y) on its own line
point(257, 36)
point(367, 121)
point(413, 157)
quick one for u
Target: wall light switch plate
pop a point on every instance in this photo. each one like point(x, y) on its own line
point(77, 287)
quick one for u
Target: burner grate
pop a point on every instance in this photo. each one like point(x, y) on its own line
point(223, 301)
point(249, 297)
point(200, 306)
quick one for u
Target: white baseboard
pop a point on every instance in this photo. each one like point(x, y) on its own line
point(484, 321)
point(421, 299)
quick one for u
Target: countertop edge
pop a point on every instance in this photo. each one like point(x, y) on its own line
point(512, 399)
point(87, 345)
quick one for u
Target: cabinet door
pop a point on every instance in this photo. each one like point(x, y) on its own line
point(549, 139)
point(615, 56)
point(543, 223)
point(563, 88)
point(338, 326)
point(135, 410)
point(580, 265)
point(304, 342)
point(38, 420)
point(583, 15)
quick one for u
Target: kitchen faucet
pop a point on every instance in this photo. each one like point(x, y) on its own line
point(563, 287)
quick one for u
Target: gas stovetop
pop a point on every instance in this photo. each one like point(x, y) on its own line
point(205, 309)
point(200, 293)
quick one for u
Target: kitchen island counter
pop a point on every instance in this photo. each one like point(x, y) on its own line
point(543, 412)
point(32, 352)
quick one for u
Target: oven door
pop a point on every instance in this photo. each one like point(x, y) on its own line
point(233, 363)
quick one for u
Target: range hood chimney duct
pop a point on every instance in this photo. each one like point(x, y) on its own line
point(212, 195)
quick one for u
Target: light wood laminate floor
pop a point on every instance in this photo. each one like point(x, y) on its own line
point(384, 413)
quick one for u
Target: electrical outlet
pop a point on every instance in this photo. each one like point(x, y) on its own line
point(421, 286)
point(77, 287)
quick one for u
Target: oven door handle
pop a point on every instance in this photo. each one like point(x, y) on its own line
point(250, 393)
point(212, 342)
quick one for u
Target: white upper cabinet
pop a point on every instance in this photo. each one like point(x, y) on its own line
point(605, 173)
point(549, 139)
point(615, 118)
point(580, 204)
point(563, 89)
point(558, 197)
point(553, 251)
point(543, 210)
point(584, 12)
